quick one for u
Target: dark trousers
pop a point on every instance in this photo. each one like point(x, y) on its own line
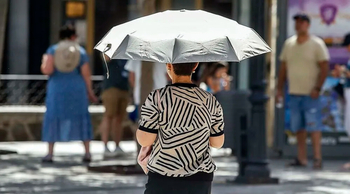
point(173, 186)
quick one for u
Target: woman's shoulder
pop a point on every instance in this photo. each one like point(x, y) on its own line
point(205, 93)
point(51, 50)
point(82, 50)
point(202, 94)
point(161, 90)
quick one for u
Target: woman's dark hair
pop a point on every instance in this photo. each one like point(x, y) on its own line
point(67, 31)
point(184, 69)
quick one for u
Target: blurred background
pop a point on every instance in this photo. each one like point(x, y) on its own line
point(29, 27)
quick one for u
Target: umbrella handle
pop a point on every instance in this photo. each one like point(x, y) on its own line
point(108, 46)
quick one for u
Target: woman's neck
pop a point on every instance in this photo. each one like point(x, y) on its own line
point(182, 79)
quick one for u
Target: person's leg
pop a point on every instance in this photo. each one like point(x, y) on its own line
point(109, 102)
point(87, 156)
point(301, 139)
point(313, 125)
point(297, 126)
point(118, 130)
point(117, 135)
point(49, 156)
point(87, 147)
point(316, 137)
point(117, 122)
point(105, 128)
point(51, 147)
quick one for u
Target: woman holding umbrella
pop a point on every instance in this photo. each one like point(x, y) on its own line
point(181, 122)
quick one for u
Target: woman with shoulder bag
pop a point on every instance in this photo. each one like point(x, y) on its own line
point(69, 89)
point(178, 125)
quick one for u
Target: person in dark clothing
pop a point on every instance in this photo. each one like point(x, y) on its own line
point(115, 97)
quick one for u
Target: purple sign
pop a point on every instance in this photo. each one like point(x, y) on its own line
point(328, 13)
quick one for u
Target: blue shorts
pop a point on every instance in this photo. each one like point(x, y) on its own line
point(305, 113)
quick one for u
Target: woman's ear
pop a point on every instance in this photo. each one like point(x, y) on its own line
point(168, 67)
point(196, 67)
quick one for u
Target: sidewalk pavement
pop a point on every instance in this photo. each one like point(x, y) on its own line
point(23, 173)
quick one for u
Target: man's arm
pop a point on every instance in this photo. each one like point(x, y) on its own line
point(322, 56)
point(324, 68)
point(282, 76)
point(132, 79)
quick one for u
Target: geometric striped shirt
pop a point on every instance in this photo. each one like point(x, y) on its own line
point(184, 117)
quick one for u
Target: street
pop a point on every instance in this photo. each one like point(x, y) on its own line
point(23, 173)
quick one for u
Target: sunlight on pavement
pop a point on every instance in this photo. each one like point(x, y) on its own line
point(294, 177)
point(330, 190)
point(10, 170)
point(334, 176)
point(23, 177)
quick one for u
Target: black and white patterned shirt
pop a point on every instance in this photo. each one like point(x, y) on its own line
point(184, 119)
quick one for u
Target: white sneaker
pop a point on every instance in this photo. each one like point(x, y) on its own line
point(119, 152)
point(108, 153)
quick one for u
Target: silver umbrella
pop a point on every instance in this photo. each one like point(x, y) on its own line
point(182, 36)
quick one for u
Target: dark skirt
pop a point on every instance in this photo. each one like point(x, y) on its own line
point(156, 185)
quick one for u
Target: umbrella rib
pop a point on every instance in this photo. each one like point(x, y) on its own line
point(121, 43)
point(172, 54)
point(238, 56)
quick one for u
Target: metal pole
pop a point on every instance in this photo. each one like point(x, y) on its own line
point(254, 165)
point(282, 10)
point(3, 19)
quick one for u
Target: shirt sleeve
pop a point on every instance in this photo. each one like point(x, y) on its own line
point(50, 50)
point(217, 119)
point(322, 52)
point(130, 66)
point(149, 115)
point(84, 58)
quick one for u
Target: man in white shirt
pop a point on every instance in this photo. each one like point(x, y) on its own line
point(159, 77)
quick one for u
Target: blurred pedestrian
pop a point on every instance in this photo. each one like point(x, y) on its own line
point(343, 72)
point(346, 75)
point(115, 98)
point(69, 89)
point(159, 79)
point(304, 63)
point(180, 123)
point(214, 78)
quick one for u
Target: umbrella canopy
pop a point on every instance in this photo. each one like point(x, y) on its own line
point(182, 36)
